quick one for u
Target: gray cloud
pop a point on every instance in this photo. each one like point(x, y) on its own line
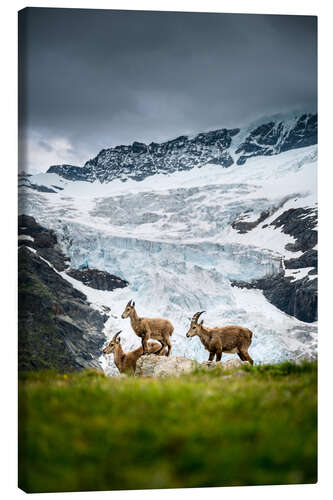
point(99, 78)
point(45, 146)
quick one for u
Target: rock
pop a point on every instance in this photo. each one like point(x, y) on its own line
point(41, 189)
point(43, 240)
point(234, 363)
point(210, 365)
point(298, 298)
point(151, 365)
point(242, 226)
point(231, 364)
point(100, 280)
point(300, 223)
point(69, 172)
point(307, 259)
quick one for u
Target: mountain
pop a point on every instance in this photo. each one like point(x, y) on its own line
point(219, 147)
point(238, 242)
point(58, 327)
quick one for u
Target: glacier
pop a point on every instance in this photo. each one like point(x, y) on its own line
point(171, 237)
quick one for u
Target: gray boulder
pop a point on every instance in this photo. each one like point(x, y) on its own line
point(151, 365)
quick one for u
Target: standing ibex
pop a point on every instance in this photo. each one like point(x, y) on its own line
point(126, 362)
point(229, 339)
point(146, 328)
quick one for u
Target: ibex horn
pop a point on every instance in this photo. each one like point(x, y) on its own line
point(116, 335)
point(196, 316)
point(129, 303)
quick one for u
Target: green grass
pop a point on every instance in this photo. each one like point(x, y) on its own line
point(84, 431)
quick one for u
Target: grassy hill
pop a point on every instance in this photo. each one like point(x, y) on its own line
point(84, 431)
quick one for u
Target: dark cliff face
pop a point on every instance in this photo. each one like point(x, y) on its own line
point(300, 223)
point(58, 328)
point(43, 240)
point(296, 297)
point(70, 172)
point(101, 280)
point(138, 160)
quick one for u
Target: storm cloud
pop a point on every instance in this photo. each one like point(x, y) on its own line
point(91, 79)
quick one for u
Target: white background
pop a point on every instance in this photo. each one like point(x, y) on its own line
point(8, 262)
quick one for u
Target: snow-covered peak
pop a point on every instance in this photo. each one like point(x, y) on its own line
point(276, 135)
point(222, 148)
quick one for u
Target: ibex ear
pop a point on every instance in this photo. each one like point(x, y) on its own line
point(201, 322)
point(133, 303)
point(118, 340)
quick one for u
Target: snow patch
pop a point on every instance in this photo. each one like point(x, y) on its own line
point(25, 237)
point(298, 274)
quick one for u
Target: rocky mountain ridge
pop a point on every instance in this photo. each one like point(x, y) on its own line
point(219, 147)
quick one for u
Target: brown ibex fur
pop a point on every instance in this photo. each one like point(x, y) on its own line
point(229, 339)
point(126, 362)
point(156, 328)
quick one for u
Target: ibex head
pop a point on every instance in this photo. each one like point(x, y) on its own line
point(128, 309)
point(112, 344)
point(195, 327)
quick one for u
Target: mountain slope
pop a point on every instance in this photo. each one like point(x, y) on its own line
point(58, 328)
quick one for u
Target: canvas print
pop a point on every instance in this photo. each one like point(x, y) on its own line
point(167, 249)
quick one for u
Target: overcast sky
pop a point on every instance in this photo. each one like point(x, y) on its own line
point(92, 79)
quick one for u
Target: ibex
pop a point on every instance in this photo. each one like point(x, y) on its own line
point(126, 362)
point(229, 339)
point(156, 328)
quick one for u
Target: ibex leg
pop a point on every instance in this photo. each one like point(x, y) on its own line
point(242, 357)
point(218, 356)
point(169, 347)
point(145, 345)
point(247, 356)
point(211, 356)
